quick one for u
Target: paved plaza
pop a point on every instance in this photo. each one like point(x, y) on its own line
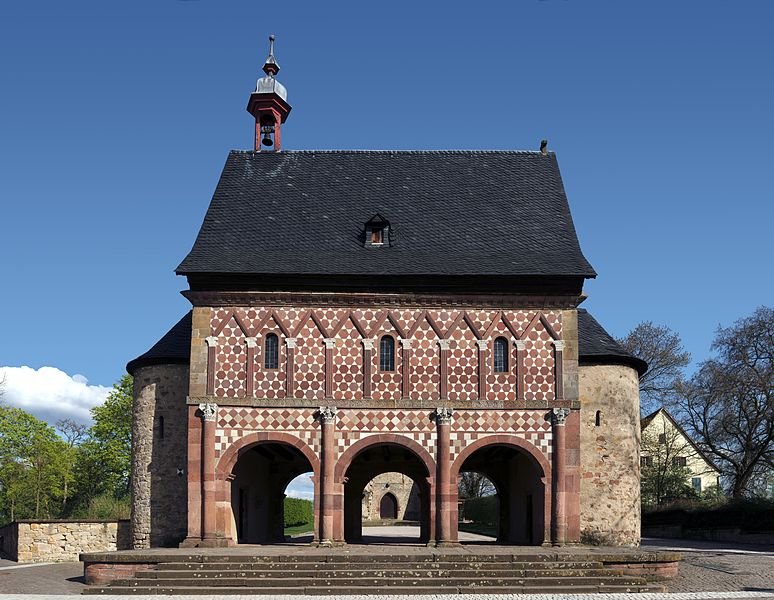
point(709, 571)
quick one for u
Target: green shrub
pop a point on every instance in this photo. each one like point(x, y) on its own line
point(105, 506)
point(482, 510)
point(746, 514)
point(298, 512)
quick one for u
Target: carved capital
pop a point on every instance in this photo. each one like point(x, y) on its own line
point(443, 416)
point(209, 411)
point(211, 340)
point(330, 342)
point(482, 344)
point(290, 342)
point(520, 345)
point(443, 344)
point(559, 345)
point(327, 415)
point(405, 344)
point(560, 415)
point(251, 342)
point(368, 344)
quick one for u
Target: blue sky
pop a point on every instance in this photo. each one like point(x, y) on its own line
point(116, 118)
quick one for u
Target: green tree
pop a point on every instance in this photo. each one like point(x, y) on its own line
point(103, 463)
point(31, 467)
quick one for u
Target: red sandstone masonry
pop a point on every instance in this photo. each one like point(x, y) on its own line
point(104, 573)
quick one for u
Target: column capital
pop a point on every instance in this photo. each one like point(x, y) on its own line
point(560, 415)
point(368, 344)
point(209, 410)
point(443, 344)
point(443, 416)
point(520, 344)
point(330, 342)
point(482, 344)
point(405, 344)
point(251, 342)
point(211, 340)
point(290, 342)
point(559, 345)
point(327, 415)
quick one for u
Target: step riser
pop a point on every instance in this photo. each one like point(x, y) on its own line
point(316, 575)
point(383, 566)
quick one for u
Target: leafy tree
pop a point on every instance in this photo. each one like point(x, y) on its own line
point(663, 350)
point(73, 434)
point(104, 459)
point(31, 466)
point(728, 405)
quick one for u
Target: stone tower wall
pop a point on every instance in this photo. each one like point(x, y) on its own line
point(401, 487)
point(610, 455)
point(159, 456)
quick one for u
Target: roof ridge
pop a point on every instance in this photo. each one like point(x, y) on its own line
point(387, 151)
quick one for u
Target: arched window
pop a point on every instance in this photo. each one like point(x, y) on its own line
point(501, 355)
point(387, 353)
point(271, 352)
point(598, 418)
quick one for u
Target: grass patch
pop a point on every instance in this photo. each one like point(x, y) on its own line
point(299, 529)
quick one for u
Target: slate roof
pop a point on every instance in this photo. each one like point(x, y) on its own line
point(173, 348)
point(450, 212)
point(597, 346)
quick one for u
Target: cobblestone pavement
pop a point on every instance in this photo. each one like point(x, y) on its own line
point(719, 567)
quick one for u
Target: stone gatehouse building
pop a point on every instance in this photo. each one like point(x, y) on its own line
point(362, 312)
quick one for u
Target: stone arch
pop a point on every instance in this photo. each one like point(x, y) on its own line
point(503, 439)
point(229, 458)
point(376, 440)
point(346, 519)
point(542, 471)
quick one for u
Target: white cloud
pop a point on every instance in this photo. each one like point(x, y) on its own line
point(51, 394)
point(301, 487)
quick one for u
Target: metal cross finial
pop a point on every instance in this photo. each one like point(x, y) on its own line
point(271, 44)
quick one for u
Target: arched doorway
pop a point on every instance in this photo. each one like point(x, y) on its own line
point(372, 460)
point(388, 507)
point(259, 480)
point(521, 502)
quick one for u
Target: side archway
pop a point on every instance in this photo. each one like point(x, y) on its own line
point(521, 473)
point(251, 478)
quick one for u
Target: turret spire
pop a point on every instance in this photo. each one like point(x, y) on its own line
point(269, 104)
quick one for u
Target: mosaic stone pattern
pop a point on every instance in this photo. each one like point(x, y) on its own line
point(470, 426)
point(354, 425)
point(424, 328)
point(237, 422)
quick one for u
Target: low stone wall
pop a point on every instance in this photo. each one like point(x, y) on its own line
point(60, 540)
point(725, 534)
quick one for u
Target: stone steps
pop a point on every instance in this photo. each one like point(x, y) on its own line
point(374, 574)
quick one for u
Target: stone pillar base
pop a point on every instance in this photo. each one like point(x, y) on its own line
point(209, 543)
point(446, 544)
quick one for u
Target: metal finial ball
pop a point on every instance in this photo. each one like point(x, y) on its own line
point(271, 37)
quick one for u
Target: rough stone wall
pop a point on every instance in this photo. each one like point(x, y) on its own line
point(610, 455)
point(57, 541)
point(159, 456)
point(399, 485)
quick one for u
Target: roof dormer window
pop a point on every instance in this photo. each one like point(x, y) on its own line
point(377, 232)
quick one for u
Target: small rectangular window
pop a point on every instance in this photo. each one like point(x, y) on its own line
point(646, 461)
point(678, 461)
point(377, 236)
point(662, 438)
point(696, 483)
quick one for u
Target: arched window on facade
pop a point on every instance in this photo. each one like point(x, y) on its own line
point(387, 353)
point(271, 352)
point(501, 355)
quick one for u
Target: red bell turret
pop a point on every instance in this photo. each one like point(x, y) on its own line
point(269, 105)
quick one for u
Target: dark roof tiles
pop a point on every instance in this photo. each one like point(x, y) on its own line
point(450, 212)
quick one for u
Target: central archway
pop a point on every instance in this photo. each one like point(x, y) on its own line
point(374, 456)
